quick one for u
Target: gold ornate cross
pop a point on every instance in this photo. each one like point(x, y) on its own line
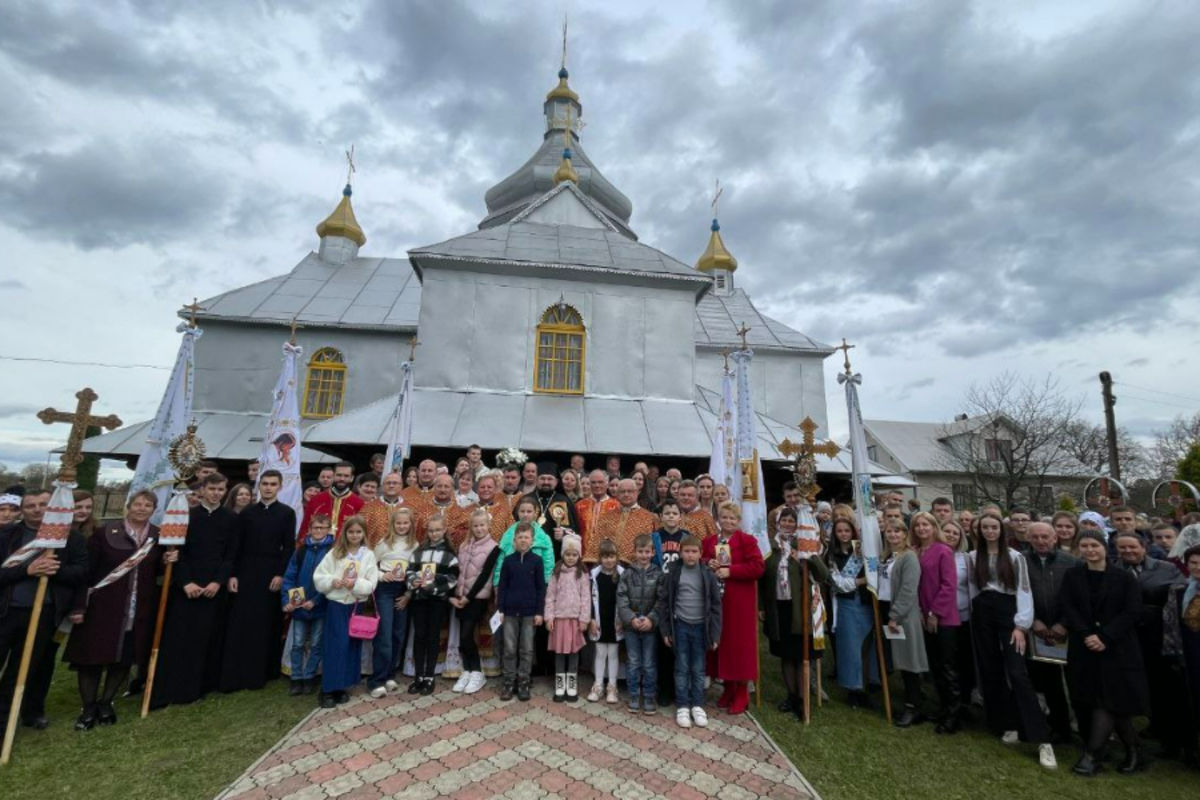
point(846, 348)
point(805, 467)
point(742, 331)
point(350, 170)
point(80, 421)
point(192, 309)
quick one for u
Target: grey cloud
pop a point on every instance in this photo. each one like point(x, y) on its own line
point(111, 194)
point(13, 284)
point(18, 409)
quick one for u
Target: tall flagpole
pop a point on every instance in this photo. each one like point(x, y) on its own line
point(868, 525)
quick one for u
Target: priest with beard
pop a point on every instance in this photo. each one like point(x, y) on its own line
point(510, 482)
point(426, 472)
point(556, 512)
point(190, 658)
point(253, 633)
point(489, 501)
point(378, 512)
point(337, 502)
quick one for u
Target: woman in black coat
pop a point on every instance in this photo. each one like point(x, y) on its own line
point(1101, 606)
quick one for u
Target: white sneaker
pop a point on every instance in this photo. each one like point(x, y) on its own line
point(683, 718)
point(1010, 737)
point(378, 692)
point(475, 683)
point(1046, 756)
point(462, 682)
point(392, 686)
point(594, 694)
point(707, 683)
point(699, 717)
point(611, 697)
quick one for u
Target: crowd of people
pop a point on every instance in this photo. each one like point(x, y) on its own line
point(1060, 628)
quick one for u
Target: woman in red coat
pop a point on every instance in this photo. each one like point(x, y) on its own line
point(114, 626)
point(735, 558)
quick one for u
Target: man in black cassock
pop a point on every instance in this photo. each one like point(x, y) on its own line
point(556, 512)
point(189, 659)
point(253, 633)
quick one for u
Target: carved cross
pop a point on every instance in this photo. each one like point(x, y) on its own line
point(742, 331)
point(846, 348)
point(192, 309)
point(804, 454)
point(80, 421)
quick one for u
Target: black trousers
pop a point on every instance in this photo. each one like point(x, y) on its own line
point(1048, 679)
point(13, 628)
point(428, 616)
point(468, 627)
point(964, 651)
point(942, 650)
point(1008, 695)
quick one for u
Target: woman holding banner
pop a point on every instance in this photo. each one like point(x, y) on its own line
point(114, 621)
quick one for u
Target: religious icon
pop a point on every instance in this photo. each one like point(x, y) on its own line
point(395, 567)
point(428, 572)
point(724, 558)
point(351, 572)
point(284, 443)
point(559, 512)
point(296, 596)
point(750, 479)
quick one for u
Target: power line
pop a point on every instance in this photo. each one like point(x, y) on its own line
point(1156, 402)
point(1157, 391)
point(64, 362)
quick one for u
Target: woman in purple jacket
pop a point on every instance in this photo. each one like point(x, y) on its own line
point(937, 595)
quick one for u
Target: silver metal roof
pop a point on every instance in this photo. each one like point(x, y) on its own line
point(718, 318)
point(563, 246)
point(536, 177)
point(364, 293)
point(232, 435)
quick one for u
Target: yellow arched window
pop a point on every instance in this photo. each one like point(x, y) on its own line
point(559, 360)
point(325, 386)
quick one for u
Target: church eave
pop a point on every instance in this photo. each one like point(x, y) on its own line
point(301, 321)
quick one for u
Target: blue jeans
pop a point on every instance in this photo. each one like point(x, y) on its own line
point(306, 631)
point(689, 664)
point(388, 647)
point(641, 672)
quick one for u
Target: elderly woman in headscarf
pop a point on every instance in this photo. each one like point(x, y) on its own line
point(1188, 538)
point(1093, 521)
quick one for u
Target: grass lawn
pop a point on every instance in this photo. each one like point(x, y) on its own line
point(919, 763)
point(185, 752)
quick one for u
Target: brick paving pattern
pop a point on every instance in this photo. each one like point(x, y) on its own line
point(474, 746)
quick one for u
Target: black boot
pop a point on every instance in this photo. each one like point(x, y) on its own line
point(415, 686)
point(107, 715)
point(523, 690)
point(328, 700)
point(87, 718)
point(907, 718)
point(507, 689)
point(788, 703)
point(1086, 766)
point(1134, 762)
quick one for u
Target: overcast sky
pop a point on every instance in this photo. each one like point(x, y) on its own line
point(959, 188)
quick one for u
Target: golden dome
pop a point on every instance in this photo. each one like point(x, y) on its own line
point(715, 255)
point(342, 222)
point(565, 171)
point(562, 90)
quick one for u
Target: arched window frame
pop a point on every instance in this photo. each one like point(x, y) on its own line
point(560, 351)
point(324, 384)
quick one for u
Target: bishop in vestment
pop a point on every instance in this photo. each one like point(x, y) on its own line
point(556, 512)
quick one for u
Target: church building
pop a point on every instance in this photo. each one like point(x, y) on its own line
point(551, 328)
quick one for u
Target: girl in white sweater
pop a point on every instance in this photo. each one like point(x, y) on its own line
point(346, 575)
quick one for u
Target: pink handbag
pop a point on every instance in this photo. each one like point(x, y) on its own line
point(362, 627)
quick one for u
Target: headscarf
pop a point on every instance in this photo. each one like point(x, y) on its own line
point(1093, 517)
point(1188, 538)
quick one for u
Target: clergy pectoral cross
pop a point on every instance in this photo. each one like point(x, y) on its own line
point(192, 309)
point(741, 332)
point(846, 348)
point(80, 421)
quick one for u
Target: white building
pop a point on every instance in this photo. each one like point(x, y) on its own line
point(550, 328)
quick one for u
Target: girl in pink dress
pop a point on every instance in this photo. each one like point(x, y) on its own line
point(567, 614)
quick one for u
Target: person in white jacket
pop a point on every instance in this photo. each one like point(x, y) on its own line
point(346, 575)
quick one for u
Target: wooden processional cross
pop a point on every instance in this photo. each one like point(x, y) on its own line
point(79, 421)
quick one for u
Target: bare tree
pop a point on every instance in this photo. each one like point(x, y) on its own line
point(1013, 436)
point(1088, 444)
point(1171, 445)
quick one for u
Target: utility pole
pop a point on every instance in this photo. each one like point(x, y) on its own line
point(1110, 425)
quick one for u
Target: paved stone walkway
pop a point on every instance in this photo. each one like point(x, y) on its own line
point(450, 745)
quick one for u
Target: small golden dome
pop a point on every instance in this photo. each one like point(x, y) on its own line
point(562, 90)
point(342, 222)
point(715, 255)
point(566, 170)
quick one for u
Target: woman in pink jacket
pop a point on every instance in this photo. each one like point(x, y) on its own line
point(567, 614)
point(937, 594)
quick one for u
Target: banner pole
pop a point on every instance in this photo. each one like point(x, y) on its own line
point(14, 713)
point(806, 631)
point(883, 676)
point(158, 629)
